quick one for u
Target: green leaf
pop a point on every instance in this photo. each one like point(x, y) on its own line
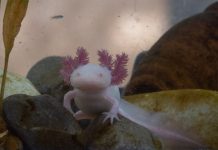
point(14, 14)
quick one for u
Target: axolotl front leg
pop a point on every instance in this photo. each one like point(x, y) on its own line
point(68, 97)
point(67, 100)
point(111, 115)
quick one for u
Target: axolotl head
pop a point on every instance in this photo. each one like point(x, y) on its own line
point(91, 77)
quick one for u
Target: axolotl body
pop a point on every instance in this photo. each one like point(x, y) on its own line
point(94, 95)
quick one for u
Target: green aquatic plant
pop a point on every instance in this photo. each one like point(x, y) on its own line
point(14, 13)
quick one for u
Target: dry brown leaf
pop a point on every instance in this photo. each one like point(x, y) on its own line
point(14, 14)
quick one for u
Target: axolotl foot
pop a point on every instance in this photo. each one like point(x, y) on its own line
point(111, 116)
point(79, 115)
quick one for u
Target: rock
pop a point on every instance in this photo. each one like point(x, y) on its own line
point(45, 74)
point(13, 143)
point(122, 135)
point(46, 78)
point(185, 57)
point(3, 132)
point(49, 81)
point(47, 139)
point(59, 91)
point(195, 110)
point(16, 84)
point(139, 59)
point(41, 122)
point(212, 8)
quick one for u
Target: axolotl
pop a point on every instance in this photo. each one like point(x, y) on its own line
point(94, 94)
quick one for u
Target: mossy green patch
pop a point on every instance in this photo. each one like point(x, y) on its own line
point(16, 84)
point(195, 110)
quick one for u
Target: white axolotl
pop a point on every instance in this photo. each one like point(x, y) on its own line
point(96, 92)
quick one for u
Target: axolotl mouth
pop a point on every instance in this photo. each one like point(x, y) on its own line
point(90, 85)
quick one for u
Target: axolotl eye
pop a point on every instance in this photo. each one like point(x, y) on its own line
point(100, 75)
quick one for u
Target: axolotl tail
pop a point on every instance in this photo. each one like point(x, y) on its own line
point(169, 132)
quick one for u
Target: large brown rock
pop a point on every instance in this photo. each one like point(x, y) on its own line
point(194, 111)
point(185, 57)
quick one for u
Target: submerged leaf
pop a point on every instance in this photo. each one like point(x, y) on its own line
point(14, 14)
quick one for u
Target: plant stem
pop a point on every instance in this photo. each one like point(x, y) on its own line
point(4, 81)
